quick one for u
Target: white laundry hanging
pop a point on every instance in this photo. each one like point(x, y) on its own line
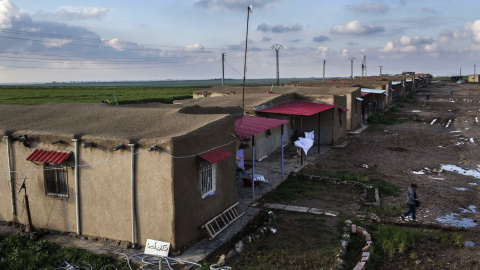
point(305, 143)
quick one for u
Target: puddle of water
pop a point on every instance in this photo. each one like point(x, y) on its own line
point(469, 209)
point(461, 188)
point(459, 143)
point(469, 244)
point(454, 168)
point(476, 119)
point(456, 221)
point(433, 121)
point(455, 131)
point(416, 111)
point(440, 146)
point(471, 140)
point(419, 172)
point(473, 184)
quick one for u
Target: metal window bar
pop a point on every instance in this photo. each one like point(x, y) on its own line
point(208, 178)
point(56, 180)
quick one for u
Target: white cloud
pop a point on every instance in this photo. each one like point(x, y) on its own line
point(370, 7)
point(195, 48)
point(475, 28)
point(407, 41)
point(55, 42)
point(83, 14)
point(408, 44)
point(11, 14)
point(448, 35)
point(431, 48)
point(389, 47)
point(356, 28)
point(115, 43)
point(322, 51)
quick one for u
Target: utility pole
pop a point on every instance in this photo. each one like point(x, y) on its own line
point(249, 10)
point(380, 70)
point(351, 59)
point(277, 47)
point(324, 63)
point(364, 66)
point(223, 67)
point(460, 72)
point(474, 69)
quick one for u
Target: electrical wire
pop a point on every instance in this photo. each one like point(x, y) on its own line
point(126, 155)
point(233, 68)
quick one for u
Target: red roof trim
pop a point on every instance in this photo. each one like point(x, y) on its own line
point(46, 156)
point(343, 109)
point(365, 93)
point(215, 155)
point(246, 126)
point(304, 108)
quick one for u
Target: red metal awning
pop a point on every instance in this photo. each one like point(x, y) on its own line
point(299, 108)
point(246, 126)
point(365, 93)
point(47, 156)
point(214, 156)
point(343, 109)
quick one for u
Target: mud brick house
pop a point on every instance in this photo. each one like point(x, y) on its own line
point(120, 172)
point(257, 100)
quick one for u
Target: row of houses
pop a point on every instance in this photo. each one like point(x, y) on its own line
point(157, 171)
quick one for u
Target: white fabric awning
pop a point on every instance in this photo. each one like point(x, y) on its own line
point(392, 89)
point(361, 99)
point(407, 80)
point(396, 82)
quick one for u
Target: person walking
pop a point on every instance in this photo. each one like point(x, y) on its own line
point(412, 202)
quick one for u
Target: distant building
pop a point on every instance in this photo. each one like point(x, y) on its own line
point(474, 78)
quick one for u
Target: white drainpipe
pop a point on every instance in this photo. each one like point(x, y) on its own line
point(10, 177)
point(134, 210)
point(77, 187)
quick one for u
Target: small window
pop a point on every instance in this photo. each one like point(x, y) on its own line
point(56, 183)
point(268, 133)
point(208, 178)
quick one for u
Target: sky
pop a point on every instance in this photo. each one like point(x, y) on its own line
point(111, 40)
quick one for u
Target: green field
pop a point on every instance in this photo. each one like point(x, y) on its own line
point(126, 92)
point(30, 95)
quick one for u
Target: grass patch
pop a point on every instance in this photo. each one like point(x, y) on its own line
point(391, 241)
point(302, 241)
point(293, 189)
point(387, 118)
point(32, 95)
point(385, 210)
point(17, 252)
point(386, 188)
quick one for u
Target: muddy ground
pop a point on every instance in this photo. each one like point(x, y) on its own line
point(445, 130)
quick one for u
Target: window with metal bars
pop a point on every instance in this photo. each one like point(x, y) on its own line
point(208, 178)
point(56, 183)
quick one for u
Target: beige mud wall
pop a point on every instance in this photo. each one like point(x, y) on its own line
point(154, 192)
point(6, 210)
point(191, 210)
point(105, 192)
point(46, 212)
